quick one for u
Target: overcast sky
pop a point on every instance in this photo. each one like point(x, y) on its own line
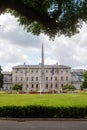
point(17, 46)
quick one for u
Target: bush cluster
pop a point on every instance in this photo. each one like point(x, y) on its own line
point(69, 87)
point(43, 112)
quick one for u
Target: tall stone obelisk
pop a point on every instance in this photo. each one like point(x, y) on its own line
point(42, 71)
point(42, 55)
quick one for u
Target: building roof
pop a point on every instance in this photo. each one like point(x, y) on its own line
point(7, 72)
point(39, 66)
point(77, 72)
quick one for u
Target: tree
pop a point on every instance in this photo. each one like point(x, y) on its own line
point(69, 87)
point(84, 83)
point(1, 78)
point(52, 17)
point(16, 87)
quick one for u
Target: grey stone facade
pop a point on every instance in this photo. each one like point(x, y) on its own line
point(7, 81)
point(30, 77)
point(77, 77)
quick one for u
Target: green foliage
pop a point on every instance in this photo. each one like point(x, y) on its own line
point(43, 106)
point(69, 87)
point(52, 17)
point(1, 78)
point(84, 83)
point(43, 112)
point(16, 87)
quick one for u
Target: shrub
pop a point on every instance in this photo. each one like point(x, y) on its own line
point(69, 87)
point(16, 87)
point(43, 112)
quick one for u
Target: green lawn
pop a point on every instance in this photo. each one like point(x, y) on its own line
point(79, 100)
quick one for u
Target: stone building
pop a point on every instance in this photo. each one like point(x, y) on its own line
point(7, 80)
point(39, 78)
point(30, 76)
point(55, 76)
point(77, 77)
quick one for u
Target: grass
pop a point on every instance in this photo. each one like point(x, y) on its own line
point(55, 100)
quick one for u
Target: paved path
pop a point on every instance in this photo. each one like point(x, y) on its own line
point(42, 125)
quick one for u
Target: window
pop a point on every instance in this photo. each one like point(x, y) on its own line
point(51, 85)
point(55, 78)
point(6, 88)
point(46, 86)
point(15, 78)
point(32, 78)
point(26, 85)
point(5, 79)
point(32, 86)
point(21, 71)
point(56, 85)
point(36, 85)
point(61, 85)
point(36, 71)
point(36, 78)
point(51, 78)
point(61, 78)
point(10, 79)
point(27, 79)
point(21, 78)
point(46, 78)
point(16, 71)
point(66, 77)
point(66, 71)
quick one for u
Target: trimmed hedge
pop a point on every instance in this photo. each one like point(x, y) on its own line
point(43, 112)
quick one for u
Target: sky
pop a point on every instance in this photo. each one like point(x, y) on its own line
point(17, 46)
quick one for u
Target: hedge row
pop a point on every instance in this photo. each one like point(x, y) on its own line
point(43, 112)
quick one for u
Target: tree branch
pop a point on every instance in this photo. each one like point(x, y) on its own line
point(58, 13)
point(28, 12)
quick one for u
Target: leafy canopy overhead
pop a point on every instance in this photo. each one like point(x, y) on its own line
point(52, 17)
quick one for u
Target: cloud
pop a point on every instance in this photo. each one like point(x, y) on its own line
point(17, 46)
point(15, 34)
point(11, 54)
